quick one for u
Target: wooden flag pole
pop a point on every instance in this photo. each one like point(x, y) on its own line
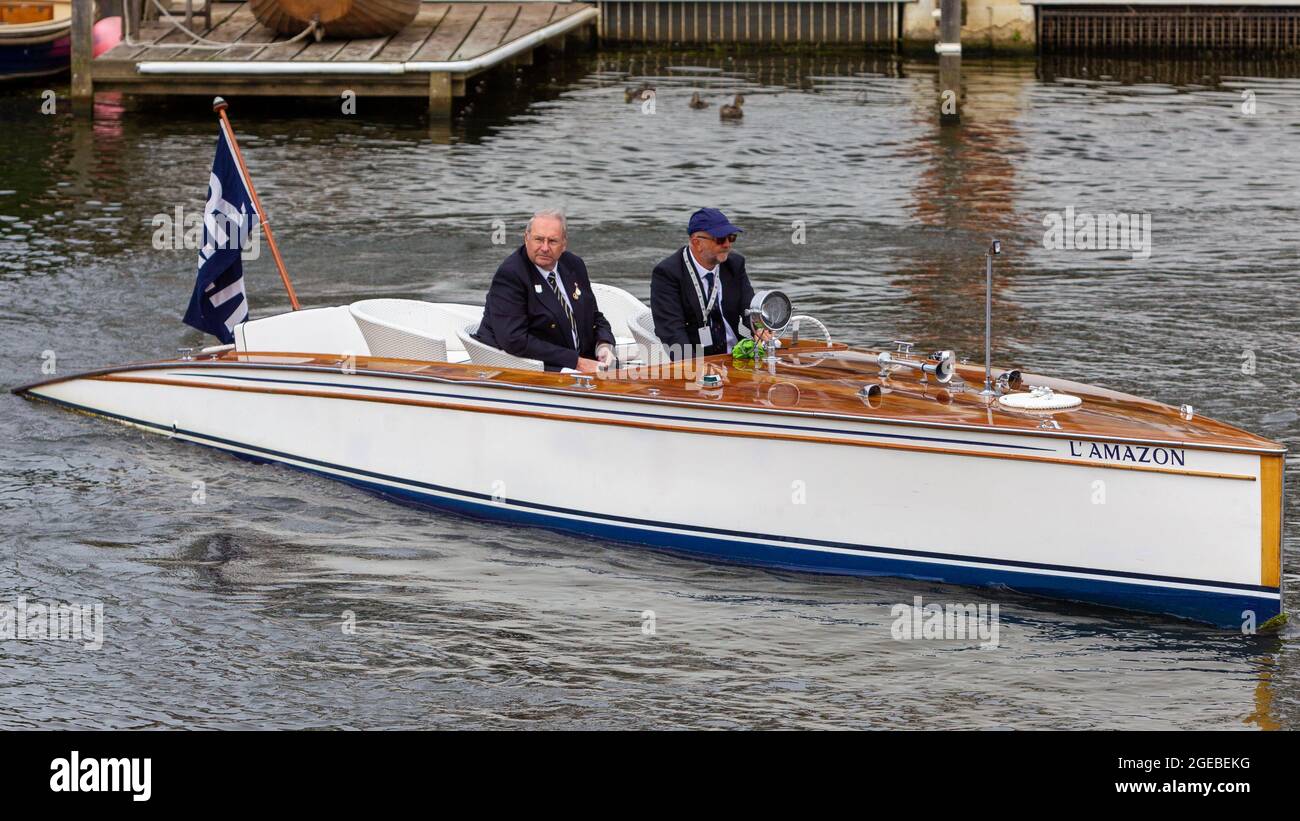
point(219, 105)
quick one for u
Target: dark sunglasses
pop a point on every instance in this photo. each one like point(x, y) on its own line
point(729, 238)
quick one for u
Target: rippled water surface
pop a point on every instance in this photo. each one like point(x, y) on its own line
point(228, 614)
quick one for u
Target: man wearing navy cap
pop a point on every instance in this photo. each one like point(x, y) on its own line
point(703, 279)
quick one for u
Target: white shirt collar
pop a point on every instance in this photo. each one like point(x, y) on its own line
point(700, 270)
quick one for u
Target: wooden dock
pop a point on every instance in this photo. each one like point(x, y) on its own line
point(432, 57)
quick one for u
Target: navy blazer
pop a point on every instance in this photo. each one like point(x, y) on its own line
point(676, 307)
point(525, 320)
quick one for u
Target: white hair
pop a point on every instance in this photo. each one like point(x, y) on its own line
point(550, 213)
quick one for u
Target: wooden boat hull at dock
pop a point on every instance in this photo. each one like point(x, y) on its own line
point(37, 60)
point(337, 18)
point(34, 39)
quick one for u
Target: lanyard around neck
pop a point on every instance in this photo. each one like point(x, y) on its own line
point(705, 310)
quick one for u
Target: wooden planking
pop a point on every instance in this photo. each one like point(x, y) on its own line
point(451, 33)
point(148, 33)
point(563, 10)
point(281, 49)
point(220, 11)
point(247, 46)
point(532, 16)
point(358, 50)
point(406, 42)
point(227, 31)
point(441, 31)
point(411, 86)
point(833, 388)
point(487, 33)
point(1270, 510)
point(747, 390)
point(176, 37)
point(324, 50)
point(830, 390)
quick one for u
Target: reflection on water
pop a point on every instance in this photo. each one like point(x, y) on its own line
point(233, 612)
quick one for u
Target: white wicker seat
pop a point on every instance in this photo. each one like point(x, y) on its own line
point(648, 347)
point(481, 354)
point(412, 329)
point(619, 307)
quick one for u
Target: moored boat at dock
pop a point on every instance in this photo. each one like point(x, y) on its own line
point(337, 18)
point(34, 38)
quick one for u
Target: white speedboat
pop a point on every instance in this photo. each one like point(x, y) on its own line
point(837, 460)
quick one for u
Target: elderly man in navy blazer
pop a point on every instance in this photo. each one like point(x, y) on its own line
point(703, 279)
point(541, 306)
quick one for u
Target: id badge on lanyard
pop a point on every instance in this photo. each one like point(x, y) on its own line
point(705, 332)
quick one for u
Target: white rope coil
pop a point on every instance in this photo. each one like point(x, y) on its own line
point(1039, 399)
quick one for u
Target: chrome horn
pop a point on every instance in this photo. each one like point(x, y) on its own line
point(942, 367)
point(945, 365)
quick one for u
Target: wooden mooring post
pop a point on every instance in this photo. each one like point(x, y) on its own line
point(440, 94)
point(949, 50)
point(83, 24)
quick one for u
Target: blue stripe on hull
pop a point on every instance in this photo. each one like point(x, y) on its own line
point(1219, 609)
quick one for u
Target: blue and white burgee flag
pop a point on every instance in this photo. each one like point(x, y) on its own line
point(219, 303)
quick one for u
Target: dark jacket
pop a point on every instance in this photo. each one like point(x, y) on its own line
point(524, 320)
point(676, 307)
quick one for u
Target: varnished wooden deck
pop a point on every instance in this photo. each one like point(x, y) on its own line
point(803, 384)
point(440, 32)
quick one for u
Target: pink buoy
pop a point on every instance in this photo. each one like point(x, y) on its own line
point(106, 34)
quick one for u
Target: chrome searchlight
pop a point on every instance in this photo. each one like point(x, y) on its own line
point(771, 310)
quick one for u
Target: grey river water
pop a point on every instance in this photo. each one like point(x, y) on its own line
point(230, 613)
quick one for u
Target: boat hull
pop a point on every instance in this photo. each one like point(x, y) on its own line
point(35, 59)
point(799, 493)
point(341, 19)
point(45, 53)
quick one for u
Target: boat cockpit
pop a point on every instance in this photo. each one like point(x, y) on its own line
point(428, 331)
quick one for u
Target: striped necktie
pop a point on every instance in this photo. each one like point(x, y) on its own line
point(714, 319)
point(568, 312)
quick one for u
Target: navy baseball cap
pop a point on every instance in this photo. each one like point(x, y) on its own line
point(713, 222)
